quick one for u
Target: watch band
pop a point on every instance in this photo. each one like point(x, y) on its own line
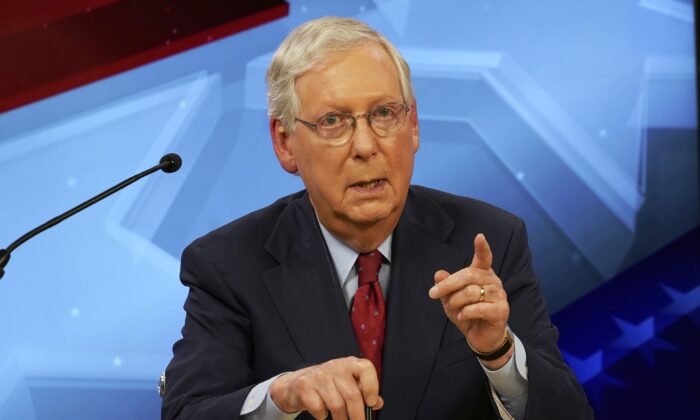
point(499, 352)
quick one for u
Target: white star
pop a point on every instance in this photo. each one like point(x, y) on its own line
point(682, 303)
point(71, 182)
point(74, 312)
point(520, 175)
point(603, 133)
point(362, 8)
point(634, 335)
point(117, 361)
point(304, 9)
point(586, 368)
point(183, 104)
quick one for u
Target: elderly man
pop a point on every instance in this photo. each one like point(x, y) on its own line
point(362, 290)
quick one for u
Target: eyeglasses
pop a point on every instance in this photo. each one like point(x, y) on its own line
point(337, 127)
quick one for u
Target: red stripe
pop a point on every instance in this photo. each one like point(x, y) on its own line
point(17, 15)
point(41, 62)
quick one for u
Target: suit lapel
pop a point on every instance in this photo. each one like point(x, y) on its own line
point(306, 291)
point(415, 323)
point(305, 288)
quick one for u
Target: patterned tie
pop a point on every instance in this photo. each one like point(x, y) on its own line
point(367, 312)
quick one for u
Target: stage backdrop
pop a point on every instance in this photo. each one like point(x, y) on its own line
point(580, 117)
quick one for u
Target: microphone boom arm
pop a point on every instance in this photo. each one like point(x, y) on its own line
point(168, 163)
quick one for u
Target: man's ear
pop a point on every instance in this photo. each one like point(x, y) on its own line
point(280, 142)
point(413, 120)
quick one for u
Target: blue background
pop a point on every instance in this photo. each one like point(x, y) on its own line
point(578, 116)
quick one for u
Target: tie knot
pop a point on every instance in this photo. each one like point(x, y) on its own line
point(368, 265)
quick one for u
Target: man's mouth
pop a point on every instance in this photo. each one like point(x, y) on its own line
point(369, 184)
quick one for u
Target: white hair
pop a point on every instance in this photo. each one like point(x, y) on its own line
point(307, 46)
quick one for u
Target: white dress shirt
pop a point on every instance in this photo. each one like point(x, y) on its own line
point(508, 383)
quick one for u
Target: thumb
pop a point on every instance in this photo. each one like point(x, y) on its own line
point(482, 253)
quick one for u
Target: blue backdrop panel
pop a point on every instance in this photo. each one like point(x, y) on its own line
point(578, 116)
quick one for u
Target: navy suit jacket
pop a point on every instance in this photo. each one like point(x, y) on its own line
point(264, 298)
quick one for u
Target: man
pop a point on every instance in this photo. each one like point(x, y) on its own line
point(362, 290)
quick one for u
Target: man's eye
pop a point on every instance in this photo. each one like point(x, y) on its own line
point(331, 120)
point(383, 112)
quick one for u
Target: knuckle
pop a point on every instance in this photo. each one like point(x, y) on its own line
point(304, 383)
point(353, 396)
point(335, 405)
point(313, 405)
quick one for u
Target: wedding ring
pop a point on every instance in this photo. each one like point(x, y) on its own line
point(482, 293)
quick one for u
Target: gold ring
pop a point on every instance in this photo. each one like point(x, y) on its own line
point(482, 294)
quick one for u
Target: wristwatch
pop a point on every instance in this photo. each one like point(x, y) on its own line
point(499, 352)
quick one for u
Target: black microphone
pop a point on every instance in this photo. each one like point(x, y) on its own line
point(168, 164)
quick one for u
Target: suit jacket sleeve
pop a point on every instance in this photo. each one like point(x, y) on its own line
point(553, 391)
point(209, 376)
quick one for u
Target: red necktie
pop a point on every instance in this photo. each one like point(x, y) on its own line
point(367, 312)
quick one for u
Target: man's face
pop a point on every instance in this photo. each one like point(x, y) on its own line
point(364, 181)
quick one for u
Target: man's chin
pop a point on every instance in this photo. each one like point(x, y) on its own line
point(369, 216)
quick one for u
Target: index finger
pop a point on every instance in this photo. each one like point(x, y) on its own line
point(366, 376)
point(482, 253)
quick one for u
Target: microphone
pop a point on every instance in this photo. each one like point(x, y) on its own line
point(168, 164)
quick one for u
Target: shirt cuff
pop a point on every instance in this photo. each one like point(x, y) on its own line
point(510, 381)
point(258, 404)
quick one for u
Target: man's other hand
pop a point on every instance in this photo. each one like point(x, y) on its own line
point(481, 316)
point(341, 386)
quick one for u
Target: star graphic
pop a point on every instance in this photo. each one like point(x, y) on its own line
point(117, 361)
point(585, 369)
point(633, 336)
point(74, 312)
point(683, 303)
point(71, 182)
point(648, 350)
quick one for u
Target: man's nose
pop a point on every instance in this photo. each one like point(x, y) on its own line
point(364, 139)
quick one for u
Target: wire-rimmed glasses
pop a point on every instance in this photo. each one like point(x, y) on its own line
point(338, 127)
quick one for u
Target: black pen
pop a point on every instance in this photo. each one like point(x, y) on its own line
point(368, 412)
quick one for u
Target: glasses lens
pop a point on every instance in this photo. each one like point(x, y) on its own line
point(387, 118)
point(333, 126)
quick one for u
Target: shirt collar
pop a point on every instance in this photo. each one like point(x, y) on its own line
point(344, 257)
